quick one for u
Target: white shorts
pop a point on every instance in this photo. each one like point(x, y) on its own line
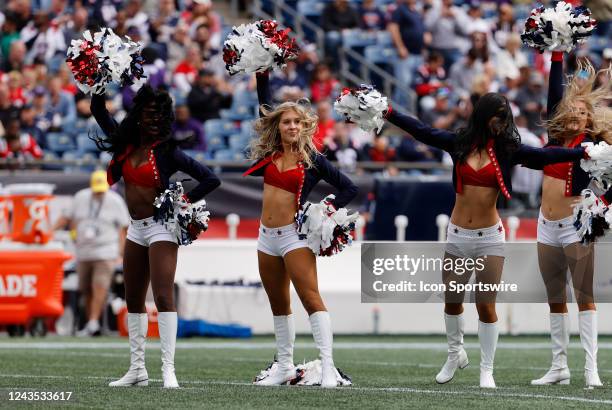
point(147, 231)
point(557, 233)
point(474, 243)
point(279, 241)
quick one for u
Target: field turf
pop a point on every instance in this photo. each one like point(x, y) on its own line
point(387, 371)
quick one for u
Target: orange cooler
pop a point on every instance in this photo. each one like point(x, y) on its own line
point(5, 204)
point(152, 329)
point(30, 203)
point(31, 281)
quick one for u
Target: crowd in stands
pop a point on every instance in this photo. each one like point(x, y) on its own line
point(448, 52)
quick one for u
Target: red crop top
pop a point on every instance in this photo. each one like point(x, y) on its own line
point(485, 176)
point(562, 170)
point(288, 180)
point(145, 175)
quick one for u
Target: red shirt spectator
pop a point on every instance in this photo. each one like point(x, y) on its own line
point(323, 85)
point(430, 76)
point(380, 151)
point(18, 144)
point(325, 128)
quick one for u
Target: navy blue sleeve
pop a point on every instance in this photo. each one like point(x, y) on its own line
point(555, 84)
point(207, 180)
point(445, 140)
point(537, 158)
point(347, 190)
point(264, 95)
point(102, 116)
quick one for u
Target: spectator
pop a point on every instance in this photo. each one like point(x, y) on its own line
point(17, 144)
point(380, 151)
point(77, 25)
point(100, 218)
point(137, 18)
point(288, 83)
point(186, 131)
point(15, 85)
point(408, 33)
point(449, 27)
point(530, 100)
point(176, 46)
point(602, 12)
point(6, 108)
point(323, 86)
point(339, 148)
point(371, 17)
point(120, 25)
point(510, 60)
point(325, 127)
point(164, 22)
point(187, 70)
point(16, 57)
point(442, 115)
point(430, 76)
point(66, 79)
point(208, 96)
point(9, 34)
point(337, 17)
point(28, 124)
point(505, 25)
point(39, 105)
point(61, 108)
point(464, 71)
point(44, 40)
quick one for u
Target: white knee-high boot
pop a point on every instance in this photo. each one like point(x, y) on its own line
point(457, 357)
point(487, 335)
point(137, 373)
point(284, 333)
point(588, 337)
point(168, 322)
point(559, 337)
point(320, 323)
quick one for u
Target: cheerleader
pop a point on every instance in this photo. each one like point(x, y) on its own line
point(483, 154)
point(291, 166)
point(145, 156)
point(576, 116)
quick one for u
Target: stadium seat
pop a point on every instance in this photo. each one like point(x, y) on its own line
point(59, 143)
point(380, 56)
point(215, 143)
point(219, 128)
point(239, 142)
point(225, 155)
point(86, 144)
point(358, 39)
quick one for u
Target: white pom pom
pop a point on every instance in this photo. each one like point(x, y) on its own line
point(364, 106)
point(599, 164)
point(311, 374)
point(591, 217)
point(326, 230)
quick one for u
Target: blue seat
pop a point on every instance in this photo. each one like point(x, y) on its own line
point(86, 144)
point(239, 142)
point(358, 39)
point(60, 143)
point(225, 155)
point(383, 39)
point(215, 143)
point(238, 113)
point(219, 128)
point(380, 55)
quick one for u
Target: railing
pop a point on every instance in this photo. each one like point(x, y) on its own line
point(299, 22)
point(12, 164)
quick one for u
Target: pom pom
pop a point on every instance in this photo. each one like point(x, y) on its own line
point(599, 164)
point(102, 59)
point(306, 374)
point(257, 47)
point(327, 230)
point(591, 217)
point(364, 106)
point(558, 29)
point(186, 221)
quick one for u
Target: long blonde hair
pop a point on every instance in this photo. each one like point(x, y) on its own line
point(581, 88)
point(267, 128)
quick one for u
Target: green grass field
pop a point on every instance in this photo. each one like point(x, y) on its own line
point(387, 372)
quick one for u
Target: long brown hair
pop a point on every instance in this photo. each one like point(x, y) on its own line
point(267, 128)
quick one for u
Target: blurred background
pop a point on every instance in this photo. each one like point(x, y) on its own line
point(432, 58)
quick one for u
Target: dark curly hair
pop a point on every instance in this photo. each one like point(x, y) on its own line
point(128, 132)
point(477, 132)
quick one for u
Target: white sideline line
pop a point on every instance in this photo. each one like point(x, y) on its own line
point(269, 345)
point(365, 389)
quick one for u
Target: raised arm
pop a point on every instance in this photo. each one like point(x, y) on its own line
point(555, 83)
point(263, 89)
point(347, 190)
point(207, 180)
point(537, 158)
point(101, 114)
point(444, 140)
